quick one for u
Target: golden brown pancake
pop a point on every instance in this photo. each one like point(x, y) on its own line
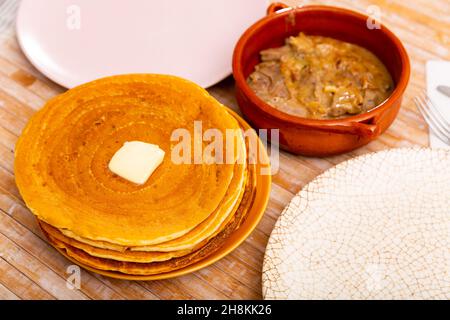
point(202, 232)
point(126, 255)
point(135, 268)
point(138, 256)
point(62, 157)
point(197, 235)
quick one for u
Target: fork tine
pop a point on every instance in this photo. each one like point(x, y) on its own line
point(431, 123)
point(432, 114)
point(437, 111)
point(434, 127)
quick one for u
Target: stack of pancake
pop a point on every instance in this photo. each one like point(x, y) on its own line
point(182, 214)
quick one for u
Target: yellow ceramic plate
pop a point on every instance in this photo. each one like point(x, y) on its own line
point(254, 215)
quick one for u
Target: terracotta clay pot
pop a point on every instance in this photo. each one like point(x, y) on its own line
point(314, 137)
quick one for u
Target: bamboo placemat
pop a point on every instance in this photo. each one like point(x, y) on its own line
point(30, 268)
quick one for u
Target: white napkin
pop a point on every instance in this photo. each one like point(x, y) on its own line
point(438, 73)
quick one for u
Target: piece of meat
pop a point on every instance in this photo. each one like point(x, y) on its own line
point(267, 79)
point(274, 54)
point(301, 44)
point(259, 82)
point(345, 101)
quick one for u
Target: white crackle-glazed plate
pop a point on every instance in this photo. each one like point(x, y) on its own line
point(76, 41)
point(374, 227)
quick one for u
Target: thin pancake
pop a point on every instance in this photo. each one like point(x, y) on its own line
point(204, 230)
point(212, 224)
point(127, 255)
point(135, 256)
point(135, 268)
point(62, 156)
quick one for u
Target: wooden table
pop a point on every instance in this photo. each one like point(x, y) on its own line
point(31, 269)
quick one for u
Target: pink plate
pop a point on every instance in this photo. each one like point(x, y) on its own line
point(76, 41)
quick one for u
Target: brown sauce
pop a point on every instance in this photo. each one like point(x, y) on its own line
point(320, 78)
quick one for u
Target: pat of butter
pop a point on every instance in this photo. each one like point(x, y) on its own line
point(136, 161)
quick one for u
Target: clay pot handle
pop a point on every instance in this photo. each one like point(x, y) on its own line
point(365, 130)
point(274, 7)
point(368, 129)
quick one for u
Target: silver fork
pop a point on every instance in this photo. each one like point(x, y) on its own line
point(434, 118)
